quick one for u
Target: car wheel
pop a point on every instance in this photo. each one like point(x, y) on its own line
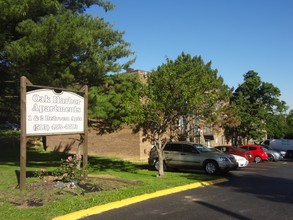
point(257, 159)
point(271, 157)
point(211, 167)
point(156, 165)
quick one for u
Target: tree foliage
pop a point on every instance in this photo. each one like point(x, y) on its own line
point(289, 122)
point(276, 126)
point(55, 43)
point(110, 104)
point(181, 88)
point(66, 49)
point(257, 103)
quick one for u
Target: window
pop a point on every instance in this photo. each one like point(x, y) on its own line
point(173, 147)
point(207, 130)
point(202, 148)
point(266, 142)
point(222, 149)
point(188, 148)
point(182, 125)
point(229, 150)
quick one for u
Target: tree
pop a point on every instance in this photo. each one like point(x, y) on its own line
point(67, 49)
point(19, 18)
point(276, 126)
point(180, 88)
point(55, 43)
point(110, 103)
point(289, 122)
point(256, 102)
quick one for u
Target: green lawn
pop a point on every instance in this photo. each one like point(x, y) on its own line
point(116, 180)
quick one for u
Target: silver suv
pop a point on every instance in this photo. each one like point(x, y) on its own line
point(190, 155)
point(273, 155)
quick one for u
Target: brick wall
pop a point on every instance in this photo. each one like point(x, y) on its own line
point(122, 144)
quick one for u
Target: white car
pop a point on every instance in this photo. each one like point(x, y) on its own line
point(242, 161)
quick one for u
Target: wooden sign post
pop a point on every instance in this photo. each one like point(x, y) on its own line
point(51, 111)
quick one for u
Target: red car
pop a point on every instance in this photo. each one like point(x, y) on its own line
point(227, 149)
point(258, 152)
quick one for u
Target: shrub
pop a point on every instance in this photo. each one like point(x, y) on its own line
point(69, 169)
point(41, 173)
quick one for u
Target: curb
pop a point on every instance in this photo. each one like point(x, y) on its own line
point(118, 204)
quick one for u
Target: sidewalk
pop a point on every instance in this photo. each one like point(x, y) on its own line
point(118, 204)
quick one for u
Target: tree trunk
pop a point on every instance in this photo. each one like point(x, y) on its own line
point(44, 141)
point(161, 158)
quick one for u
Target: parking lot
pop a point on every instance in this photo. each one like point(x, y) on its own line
point(259, 191)
point(274, 167)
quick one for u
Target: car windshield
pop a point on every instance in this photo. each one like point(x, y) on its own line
point(215, 149)
point(202, 148)
point(265, 147)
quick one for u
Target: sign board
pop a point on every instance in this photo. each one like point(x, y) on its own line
point(50, 112)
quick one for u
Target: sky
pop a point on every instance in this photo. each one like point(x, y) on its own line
point(235, 35)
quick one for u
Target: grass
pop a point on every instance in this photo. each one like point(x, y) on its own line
point(114, 180)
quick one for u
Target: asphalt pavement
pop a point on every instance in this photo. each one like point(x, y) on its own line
point(259, 191)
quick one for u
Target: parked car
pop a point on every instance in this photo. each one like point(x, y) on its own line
point(242, 161)
point(284, 146)
point(273, 155)
point(190, 155)
point(281, 145)
point(258, 152)
point(227, 149)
